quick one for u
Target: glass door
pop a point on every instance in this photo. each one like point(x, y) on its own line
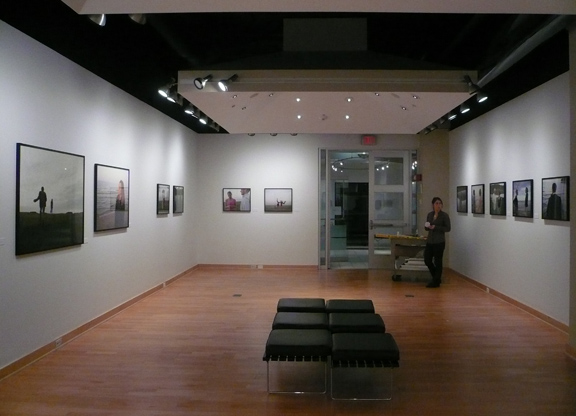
point(389, 203)
point(363, 195)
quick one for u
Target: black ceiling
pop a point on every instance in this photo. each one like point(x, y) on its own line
point(140, 58)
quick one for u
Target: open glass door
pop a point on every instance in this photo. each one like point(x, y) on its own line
point(389, 203)
point(363, 194)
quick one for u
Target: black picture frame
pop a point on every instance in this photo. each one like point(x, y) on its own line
point(111, 197)
point(498, 198)
point(277, 199)
point(162, 199)
point(177, 199)
point(556, 198)
point(237, 199)
point(477, 199)
point(462, 198)
point(49, 199)
point(523, 198)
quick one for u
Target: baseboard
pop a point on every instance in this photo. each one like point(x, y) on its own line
point(549, 320)
point(54, 345)
point(255, 266)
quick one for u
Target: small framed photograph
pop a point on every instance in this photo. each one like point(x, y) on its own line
point(111, 197)
point(277, 199)
point(556, 198)
point(523, 198)
point(498, 198)
point(477, 199)
point(236, 199)
point(162, 199)
point(49, 199)
point(462, 199)
point(177, 199)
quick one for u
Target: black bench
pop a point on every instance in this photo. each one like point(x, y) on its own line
point(298, 345)
point(362, 350)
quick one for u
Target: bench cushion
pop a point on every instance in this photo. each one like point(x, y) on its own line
point(365, 347)
point(349, 306)
point(356, 322)
point(300, 320)
point(301, 305)
point(298, 343)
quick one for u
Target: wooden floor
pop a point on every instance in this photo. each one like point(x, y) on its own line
point(195, 348)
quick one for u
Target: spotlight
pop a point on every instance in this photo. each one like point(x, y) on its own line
point(452, 115)
point(472, 88)
point(138, 18)
point(481, 96)
point(201, 82)
point(190, 109)
point(99, 19)
point(464, 108)
point(203, 119)
point(223, 84)
point(165, 90)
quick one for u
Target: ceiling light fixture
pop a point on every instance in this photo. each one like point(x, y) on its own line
point(223, 84)
point(203, 119)
point(165, 90)
point(464, 108)
point(472, 88)
point(201, 82)
point(138, 18)
point(452, 115)
point(481, 96)
point(99, 19)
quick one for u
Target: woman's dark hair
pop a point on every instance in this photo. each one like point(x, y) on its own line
point(437, 198)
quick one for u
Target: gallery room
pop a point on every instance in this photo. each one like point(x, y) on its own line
point(143, 253)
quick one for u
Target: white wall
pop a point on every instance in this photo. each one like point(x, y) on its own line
point(48, 101)
point(258, 162)
point(526, 259)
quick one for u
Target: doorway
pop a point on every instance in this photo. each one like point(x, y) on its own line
point(364, 194)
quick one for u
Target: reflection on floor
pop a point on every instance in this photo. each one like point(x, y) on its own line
point(356, 258)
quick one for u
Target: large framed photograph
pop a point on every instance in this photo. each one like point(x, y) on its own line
point(477, 199)
point(162, 199)
point(498, 198)
point(523, 198)
point(49, 199)
point(177, 199)
point(277, 199)
point(556, 198)
point(111, 197)
point(236, 199)
point(462, 199)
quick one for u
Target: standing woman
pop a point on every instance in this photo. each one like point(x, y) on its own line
point(437, 223)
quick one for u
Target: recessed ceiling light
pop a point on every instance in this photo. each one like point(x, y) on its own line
point(298, 116)
point(415, 97)
point(377, 94)
point(297, 100)
point(347, 117)
point(349, 99)
point(404, 108)
point(271, 94)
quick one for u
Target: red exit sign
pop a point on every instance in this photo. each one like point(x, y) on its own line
point(368, 140)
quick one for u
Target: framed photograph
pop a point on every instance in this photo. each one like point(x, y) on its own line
point(477, 196)
point(49, 199)
point(556, 198)
point(277, 199)
point(162, 199)
point(111, 197)
point(462, 199)
point(236, 199)
point(523, 198)
point(498, 198)
point(177, 199)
